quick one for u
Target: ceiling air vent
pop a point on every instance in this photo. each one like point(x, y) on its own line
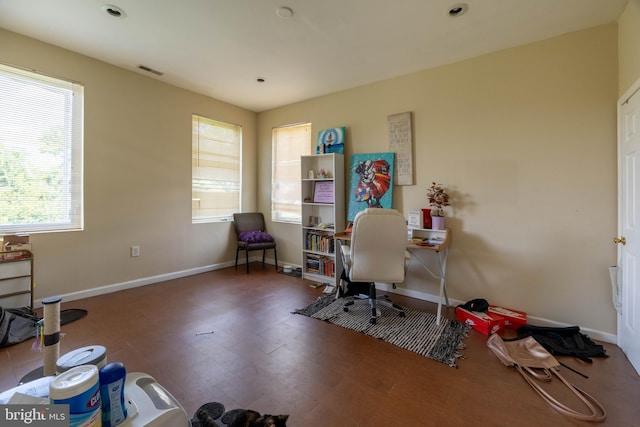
point(150, 70)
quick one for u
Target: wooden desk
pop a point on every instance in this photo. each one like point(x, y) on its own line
point(420, 242)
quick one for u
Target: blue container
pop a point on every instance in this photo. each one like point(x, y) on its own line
point(112, 378)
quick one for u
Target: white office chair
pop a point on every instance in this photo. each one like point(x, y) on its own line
point(377, 253)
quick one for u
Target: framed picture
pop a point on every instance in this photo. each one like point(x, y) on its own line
point(331, 141)
point(415, 219)
point(371, 182)
point(323, 192)
point(401, 143)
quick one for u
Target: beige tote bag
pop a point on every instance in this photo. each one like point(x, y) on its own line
point(534, 362)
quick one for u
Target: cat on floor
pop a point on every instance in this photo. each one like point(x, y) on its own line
point(213, 414)
point(249, 418)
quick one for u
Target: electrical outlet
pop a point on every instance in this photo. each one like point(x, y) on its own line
point(135, 251)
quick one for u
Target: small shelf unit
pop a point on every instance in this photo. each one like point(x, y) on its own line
point(16, 279)
point(322, 214)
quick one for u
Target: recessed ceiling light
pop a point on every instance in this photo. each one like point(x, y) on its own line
point(113, 11)
point(284, 12)
point(458, 9)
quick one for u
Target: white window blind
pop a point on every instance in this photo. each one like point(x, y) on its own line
point(216, 172)
point(289, 143)
point(41, 160)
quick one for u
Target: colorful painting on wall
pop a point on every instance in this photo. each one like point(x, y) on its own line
point(371, 182)
point(331, 141)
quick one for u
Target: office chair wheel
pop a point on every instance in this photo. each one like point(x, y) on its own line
point(372, 320)
point(401, 314)
point(346, 305)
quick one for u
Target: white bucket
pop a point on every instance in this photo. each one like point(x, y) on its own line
point(79, 388)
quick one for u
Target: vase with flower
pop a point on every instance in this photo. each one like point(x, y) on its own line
point(438, 199)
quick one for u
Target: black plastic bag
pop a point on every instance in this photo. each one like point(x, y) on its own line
point(568, 341)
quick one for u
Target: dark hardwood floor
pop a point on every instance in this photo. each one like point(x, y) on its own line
point(230, 337)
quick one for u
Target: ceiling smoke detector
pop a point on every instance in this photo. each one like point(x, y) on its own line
point(458, 9)
point(113, 11)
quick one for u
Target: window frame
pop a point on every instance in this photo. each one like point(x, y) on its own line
point(48, 144)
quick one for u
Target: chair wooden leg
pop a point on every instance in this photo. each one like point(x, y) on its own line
point(247, 261)
point(264, 251)
point(237, 251)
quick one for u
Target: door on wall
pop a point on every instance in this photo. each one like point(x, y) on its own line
point(629, 225)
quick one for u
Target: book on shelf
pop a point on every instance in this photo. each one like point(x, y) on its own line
point(318, 264)
point(436, 240)
point(320, 242)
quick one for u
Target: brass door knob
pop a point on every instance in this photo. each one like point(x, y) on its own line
point(620, 240)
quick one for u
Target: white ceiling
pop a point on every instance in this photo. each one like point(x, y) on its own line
point(220, 47)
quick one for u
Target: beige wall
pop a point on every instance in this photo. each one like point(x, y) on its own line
point(137, 176)
point(629, 46)
point(525, 141)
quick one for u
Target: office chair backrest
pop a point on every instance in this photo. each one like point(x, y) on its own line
point(378, 245)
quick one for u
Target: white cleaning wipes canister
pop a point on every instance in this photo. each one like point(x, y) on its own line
point(79, 388)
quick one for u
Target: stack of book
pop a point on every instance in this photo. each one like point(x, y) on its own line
point(320, 242)
point(318, 264)
point(436, 240)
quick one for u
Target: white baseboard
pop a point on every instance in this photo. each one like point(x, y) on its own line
point(107, 289)
point(538, 321)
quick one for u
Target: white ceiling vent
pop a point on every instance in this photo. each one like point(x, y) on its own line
point(150, 70)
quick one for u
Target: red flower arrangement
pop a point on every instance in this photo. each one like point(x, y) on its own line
point(438, 198)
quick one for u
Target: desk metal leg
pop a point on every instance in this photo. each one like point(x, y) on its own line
point(443, 282)
point(442, 258)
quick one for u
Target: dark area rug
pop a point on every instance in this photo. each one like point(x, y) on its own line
point(295, 272)
point(71, 315)
point(416, 332)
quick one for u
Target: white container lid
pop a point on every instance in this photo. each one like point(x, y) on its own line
point(74, 382)
point(91, 355)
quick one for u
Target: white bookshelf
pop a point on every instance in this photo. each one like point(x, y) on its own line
point(322, 215)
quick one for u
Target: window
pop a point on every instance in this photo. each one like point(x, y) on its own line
point(215, 170)
point(41, 126)
point(289, 143)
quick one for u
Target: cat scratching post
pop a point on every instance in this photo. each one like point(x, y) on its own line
point(51, 334)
